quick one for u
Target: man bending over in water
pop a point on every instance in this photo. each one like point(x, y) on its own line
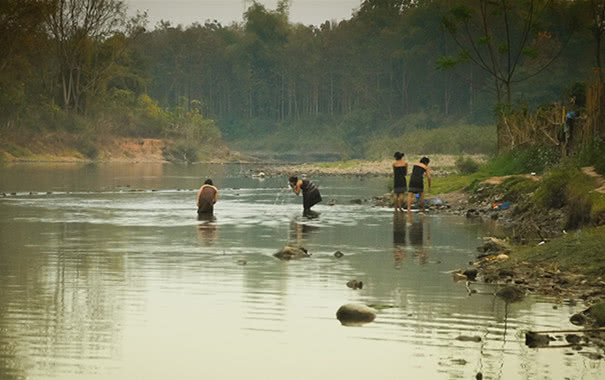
point(311, 195)
point(206, 198)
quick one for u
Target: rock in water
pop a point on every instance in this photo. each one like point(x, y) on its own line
point(355, 284)
point(338, 254)
point(291, 253)
point(471, 274)
point(510, 294)
point(353, 314)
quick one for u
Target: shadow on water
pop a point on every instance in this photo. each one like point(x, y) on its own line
point(207, 229)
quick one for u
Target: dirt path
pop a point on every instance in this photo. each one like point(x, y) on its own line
point(499, 180)
point(590, 171)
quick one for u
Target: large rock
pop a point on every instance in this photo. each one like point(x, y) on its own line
point(354, 314)
point(291, 253)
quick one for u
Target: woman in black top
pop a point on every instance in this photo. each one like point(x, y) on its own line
point(311, 195)
point(400, 170)
point(417, 181)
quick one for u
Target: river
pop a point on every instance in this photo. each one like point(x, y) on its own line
point(106, 273)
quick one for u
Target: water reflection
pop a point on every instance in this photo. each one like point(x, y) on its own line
point(111, 279)
point(300, 231)
point(207, 229)
point(417, 237)
point(399, 239)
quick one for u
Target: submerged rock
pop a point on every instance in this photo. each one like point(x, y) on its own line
point(533, 339)
point(578, 319)
point(291, 253)
point(510, 294)
point(354, 314)
point(355, 284)
point(465, 338)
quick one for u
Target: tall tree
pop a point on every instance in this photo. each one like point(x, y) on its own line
point(78, 27)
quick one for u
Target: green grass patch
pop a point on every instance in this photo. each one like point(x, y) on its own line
point(442, 185)
point(580, 252)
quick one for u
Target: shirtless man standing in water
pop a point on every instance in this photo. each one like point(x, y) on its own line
point(206, 198)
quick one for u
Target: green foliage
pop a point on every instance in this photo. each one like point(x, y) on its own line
point(597, 312)
point(515, 187)
point(523, 161)
point(568, 187)
point(466, 165)
point(467, 139)
point(579, 252)
point(593, 155)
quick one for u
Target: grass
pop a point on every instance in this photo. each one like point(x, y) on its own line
point(579, 252)
point(442, 185)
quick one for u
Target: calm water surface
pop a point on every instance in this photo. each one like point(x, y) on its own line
point(111, 276)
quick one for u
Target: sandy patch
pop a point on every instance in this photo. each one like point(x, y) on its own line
point(499, 180)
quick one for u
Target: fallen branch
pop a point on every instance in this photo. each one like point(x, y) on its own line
point(566, 331)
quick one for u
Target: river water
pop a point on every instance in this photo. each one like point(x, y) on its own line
point(106, 273)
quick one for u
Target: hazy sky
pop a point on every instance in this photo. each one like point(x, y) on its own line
point(226, 11)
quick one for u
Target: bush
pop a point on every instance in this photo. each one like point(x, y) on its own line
point(593, 155)
point(523, 161)
point(570, 188)
point(466, 165)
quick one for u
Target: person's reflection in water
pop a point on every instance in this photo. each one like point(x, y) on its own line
point(299, 232)
point(421, 251)
point(399, 231)
point(206, 229)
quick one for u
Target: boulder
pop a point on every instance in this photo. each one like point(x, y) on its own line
point(354, 314)
point(291, 253)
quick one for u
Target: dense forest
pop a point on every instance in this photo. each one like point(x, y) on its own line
point(395, 68)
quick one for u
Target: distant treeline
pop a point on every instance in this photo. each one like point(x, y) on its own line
point(392, 60)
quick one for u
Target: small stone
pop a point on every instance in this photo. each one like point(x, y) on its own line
point(242, 262)
point(355, 284)
point(338, 254)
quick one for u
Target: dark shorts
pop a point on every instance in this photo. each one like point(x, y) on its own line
point(416, 190)
point(205, 210)
point(400, 190)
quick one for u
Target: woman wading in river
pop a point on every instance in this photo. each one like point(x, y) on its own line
point(310, 191)
point(400, 170)
point(417, 181)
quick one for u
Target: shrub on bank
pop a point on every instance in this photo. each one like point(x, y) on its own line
point(466, 165)
point(594, 155)
point(523, 161)
point(570, 188)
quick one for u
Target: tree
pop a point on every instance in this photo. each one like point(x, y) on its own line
point(79, 28)
point(497, 36)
